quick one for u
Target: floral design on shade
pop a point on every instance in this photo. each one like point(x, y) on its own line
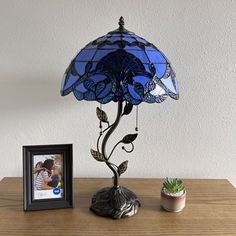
point(120, 66)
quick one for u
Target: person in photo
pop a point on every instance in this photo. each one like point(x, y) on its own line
point(43, 175)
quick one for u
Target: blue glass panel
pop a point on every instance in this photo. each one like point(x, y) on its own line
point(99, 88)
point(70, 80)
point(89, 84)
point(91, 46)
point(140, 55)
point(97, 78)
point(141, 79)
point(160, 70)
point(114, 39)
point(113, 46)
point(169, 84)
point(129, 39)
point(80, 67)
point(133, 93)
point(101, 53)
point(149, 48)
point(107, 99)
point(79, 96)
point(141, 40)
point(147, 68)
point(85, 55)
point(116, 35)
point(101, 39)
point(128, 35)
point(105, 92)
point(156, 57)
point(89, 96)
point(157, 91)
point(94, 64)
point(132, 48)
point(81, 88)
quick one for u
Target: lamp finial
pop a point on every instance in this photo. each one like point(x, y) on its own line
point(121, 23)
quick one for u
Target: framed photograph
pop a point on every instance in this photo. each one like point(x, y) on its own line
point(47, 177)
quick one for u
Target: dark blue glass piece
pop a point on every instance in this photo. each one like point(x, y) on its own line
point(89, 96)
point(101, 53)
point(120, 66)
point(114, 39)
point(112, 46)
point(141, 55)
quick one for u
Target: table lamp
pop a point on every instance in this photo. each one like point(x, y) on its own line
point(124, 68)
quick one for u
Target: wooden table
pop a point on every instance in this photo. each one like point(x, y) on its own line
point(210, 210)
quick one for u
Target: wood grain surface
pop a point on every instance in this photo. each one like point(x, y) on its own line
point(210, 210)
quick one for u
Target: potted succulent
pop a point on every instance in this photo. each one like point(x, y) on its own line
point(173, 195)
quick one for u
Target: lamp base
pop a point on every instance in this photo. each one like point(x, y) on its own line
point(115, 202)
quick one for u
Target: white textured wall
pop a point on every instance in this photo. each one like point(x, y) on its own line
point(194, 137)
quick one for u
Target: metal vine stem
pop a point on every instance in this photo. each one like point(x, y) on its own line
point(108, 131)
point(104, 142)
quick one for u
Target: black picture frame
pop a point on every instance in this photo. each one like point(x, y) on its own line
point(66, 201)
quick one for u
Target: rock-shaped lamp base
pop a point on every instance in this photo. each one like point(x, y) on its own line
point(115, 202)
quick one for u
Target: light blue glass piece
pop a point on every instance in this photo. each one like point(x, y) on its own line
point(168, 82)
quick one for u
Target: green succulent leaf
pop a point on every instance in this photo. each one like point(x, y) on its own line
point(97, 155)
point(173, 185)
point(122, 167)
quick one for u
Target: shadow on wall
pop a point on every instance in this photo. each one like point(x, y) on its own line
point(29, 95)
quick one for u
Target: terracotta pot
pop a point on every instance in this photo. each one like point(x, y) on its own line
point(173, 203)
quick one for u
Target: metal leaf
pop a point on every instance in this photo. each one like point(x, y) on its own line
point(128, 108)
point(129, 138)
point(102, 116)
point(122, 167)
point(97, 155)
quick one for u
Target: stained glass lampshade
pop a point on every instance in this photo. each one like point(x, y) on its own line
point(120, 67)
